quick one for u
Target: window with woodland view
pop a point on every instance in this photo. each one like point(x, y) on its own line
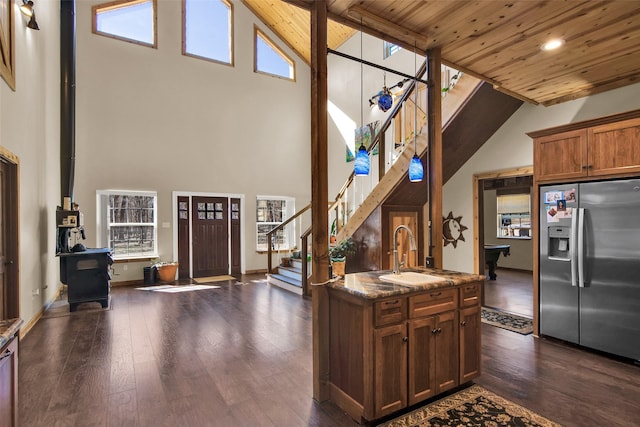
point(271, 212)
point(127, 223)
point(207, 30)
point(129, 20)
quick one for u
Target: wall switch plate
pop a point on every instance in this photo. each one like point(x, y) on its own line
point(428, 262)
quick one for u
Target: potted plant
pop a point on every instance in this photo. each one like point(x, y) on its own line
point(167, 271)
point(338, 255)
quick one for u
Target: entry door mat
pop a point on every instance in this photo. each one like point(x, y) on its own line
point(508, 321)
point(213, 279)
point(172, 289)
point(473, 406)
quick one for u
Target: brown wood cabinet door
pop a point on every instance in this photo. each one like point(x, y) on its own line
point(422, 355)
point(9, 384)
point(614, 148)
point(469, 343)
point(560, 156)
point(390, 369)
point(210, 236)
point(446, 349)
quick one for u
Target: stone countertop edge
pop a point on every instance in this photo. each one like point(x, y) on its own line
point(9, 328)
point(367, 284)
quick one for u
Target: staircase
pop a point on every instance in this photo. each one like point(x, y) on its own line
point(288, 277)
point(470, 115)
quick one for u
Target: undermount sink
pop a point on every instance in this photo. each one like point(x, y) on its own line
point(410, 278)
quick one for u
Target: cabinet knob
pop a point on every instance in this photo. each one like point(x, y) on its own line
point(434, 331)
point(464, 322)
point(405, 339)
point(439, 330)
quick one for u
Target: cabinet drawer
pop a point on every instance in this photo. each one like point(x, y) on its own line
point(433, 302)
point(470, 295)
point(389, 311)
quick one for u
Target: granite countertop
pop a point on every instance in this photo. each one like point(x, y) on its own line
point(8, 328)
point(368, 285)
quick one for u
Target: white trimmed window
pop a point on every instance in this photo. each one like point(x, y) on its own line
point(129, 20)
point(272, 211)
point(270, 59)
point(207, 30)
point(514, 216)
point(389, 49)
point(127, 223)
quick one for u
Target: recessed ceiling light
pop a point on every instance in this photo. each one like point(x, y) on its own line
point(552, 44)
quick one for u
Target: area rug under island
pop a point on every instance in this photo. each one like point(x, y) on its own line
point(473, 406)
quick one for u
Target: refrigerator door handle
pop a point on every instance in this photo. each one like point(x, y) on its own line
point(572, 247)
point(581, 247)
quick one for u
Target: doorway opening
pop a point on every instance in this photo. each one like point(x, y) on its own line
point(209, 233)
point(9, 196)
point(502, 227)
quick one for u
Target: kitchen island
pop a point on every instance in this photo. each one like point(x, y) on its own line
point(397, 340)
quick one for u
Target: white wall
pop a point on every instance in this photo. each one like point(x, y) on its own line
point(521, 251)
point(30, 129)
point(153, 119)
point(510, 148)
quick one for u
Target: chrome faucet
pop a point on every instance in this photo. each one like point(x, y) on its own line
point(396, 262)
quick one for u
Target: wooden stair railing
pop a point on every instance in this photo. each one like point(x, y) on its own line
point(277, 228)
point(304, 237)
point(379, 139)
point(454, 101)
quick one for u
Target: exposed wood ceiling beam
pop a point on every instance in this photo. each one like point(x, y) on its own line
point(388, 27)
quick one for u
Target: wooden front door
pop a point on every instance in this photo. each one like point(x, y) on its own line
point(210, 236)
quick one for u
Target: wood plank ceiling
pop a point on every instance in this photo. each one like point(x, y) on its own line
point(497, 41)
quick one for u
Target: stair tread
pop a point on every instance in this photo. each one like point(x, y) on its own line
point(287, 279)
point(292, 269)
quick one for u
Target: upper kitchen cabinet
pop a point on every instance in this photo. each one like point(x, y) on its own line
point(601, 147)
point(614, 148)
point(560, 156)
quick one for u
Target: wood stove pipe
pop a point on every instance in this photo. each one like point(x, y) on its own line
point(67, 97)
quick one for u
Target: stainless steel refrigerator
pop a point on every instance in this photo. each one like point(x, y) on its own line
point(590, 264)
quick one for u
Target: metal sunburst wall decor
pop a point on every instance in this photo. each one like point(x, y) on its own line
point(452, 229)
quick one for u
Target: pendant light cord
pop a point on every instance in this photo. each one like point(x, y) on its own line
point(361, 77)
point(415, 104)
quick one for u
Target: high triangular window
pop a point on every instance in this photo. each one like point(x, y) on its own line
point(270, 59)
point(129, 20)
point(207, 30)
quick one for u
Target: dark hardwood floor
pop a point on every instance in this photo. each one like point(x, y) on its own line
point(241, 356)
point(512, 291)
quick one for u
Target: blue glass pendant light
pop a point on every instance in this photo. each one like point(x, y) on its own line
point(361, 166)
point(416, 171)
point(385, 101)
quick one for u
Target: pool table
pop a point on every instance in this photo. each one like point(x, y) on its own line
point(491, 255)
